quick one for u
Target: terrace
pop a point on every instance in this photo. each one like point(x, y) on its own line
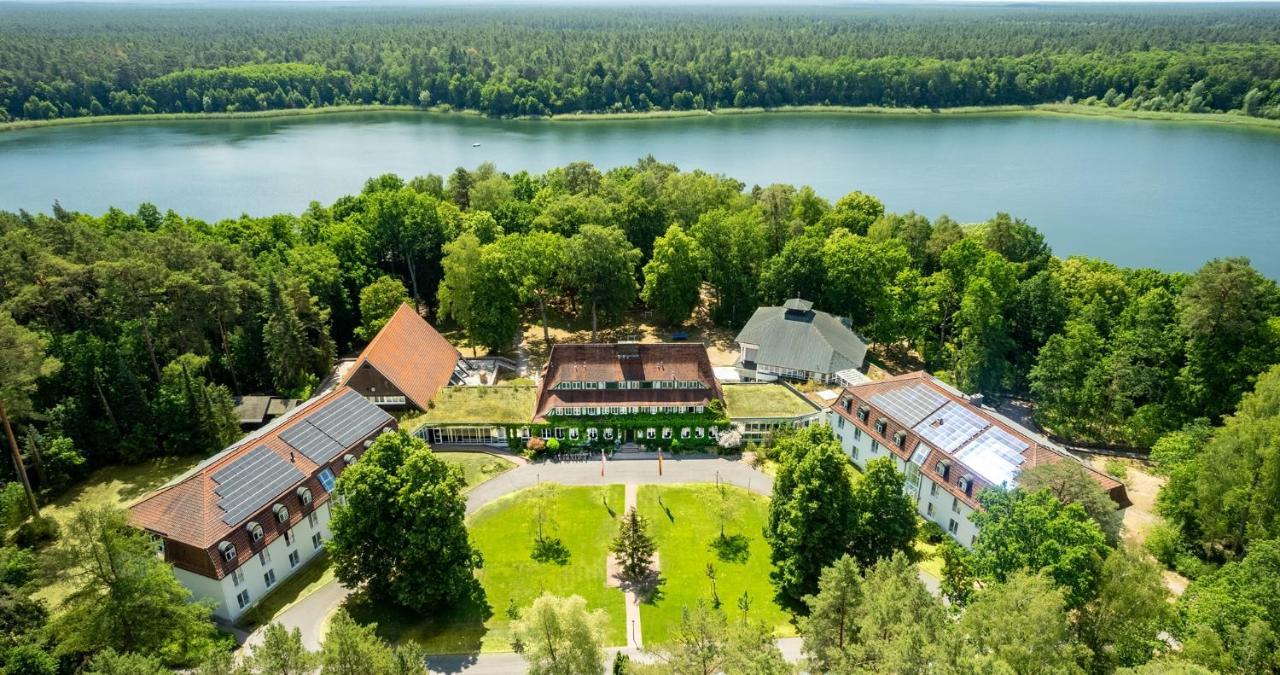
point(762, 401)
point(497, 405)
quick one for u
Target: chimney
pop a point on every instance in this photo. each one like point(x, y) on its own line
point(976, 399)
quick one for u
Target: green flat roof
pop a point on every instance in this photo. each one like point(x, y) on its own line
point(763, 400)
point(501, 404)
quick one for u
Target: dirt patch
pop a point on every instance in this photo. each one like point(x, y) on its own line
point(1142, 486)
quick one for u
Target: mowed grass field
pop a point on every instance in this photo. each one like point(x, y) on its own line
point(585, 520)
point(683, 522)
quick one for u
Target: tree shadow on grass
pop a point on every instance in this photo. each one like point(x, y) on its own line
point(457, 630)
point(550, 550)
point(647, 587)
point(734, 548)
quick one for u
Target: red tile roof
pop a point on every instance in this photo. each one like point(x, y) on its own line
point(412, 355)
point(1039, 450)
point(649, 362)
point(186, 510)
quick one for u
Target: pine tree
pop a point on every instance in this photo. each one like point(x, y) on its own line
point(633, 545)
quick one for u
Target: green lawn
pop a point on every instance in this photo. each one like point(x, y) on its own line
point(477, 467)
point(763, 400)
point(499, 404)
point(586, 518)
point(685, 525)
point(117, 486)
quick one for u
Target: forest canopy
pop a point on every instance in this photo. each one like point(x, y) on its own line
point(76, 61)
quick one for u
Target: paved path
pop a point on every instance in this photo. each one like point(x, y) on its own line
point(635, 639)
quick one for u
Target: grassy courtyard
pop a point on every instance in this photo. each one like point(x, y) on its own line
point(585, 520)
point(683, 521)
point(477, 467)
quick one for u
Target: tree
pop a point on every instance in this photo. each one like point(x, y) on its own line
point(751, 649)
point(633, 546)
point(282, 653)
point(538, 262)
point(478, 293)
point(699, 645)
point(859, 275)
point(296, 336)
point(352, 649)
point(854, 212)
point(1224, 313)
point(378, 302)
point(1122, 625)
point(1071, 483)
point(830, 630)
point(22, 362)
point(1229, 620)
point(732, 246)
point(125, 598)
point(193, 414)
point(602, 270)
point(900, 624)
point(558, 636)
point(886, 519)
point(1021, 531)
point(29, 659)
point(672, 279)
point(399, 532)
point(111, 662)
point(457, 288)
point(812, 512)
point(1018, 626)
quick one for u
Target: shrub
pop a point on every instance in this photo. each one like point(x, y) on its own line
point(1117, 468)
point(17, 566)
point(1191, 567)
point(932, 533)
point(36, 533)
point(553, 445)
point(1164, 542)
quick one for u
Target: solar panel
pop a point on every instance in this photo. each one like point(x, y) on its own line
point(251, 482)
point(325, 434)
point(950, 427)
point(909, 405)
point(995, 455)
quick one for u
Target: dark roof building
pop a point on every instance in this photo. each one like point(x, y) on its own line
point(798, 342)
point(405, 364)
point(257, 498)
point(626, 378)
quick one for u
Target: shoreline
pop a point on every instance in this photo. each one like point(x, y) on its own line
point(1064, 109)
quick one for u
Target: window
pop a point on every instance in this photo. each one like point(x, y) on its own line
point(929, 510)
point(953, 526)
point(973, 540)
point(857, 434)
point(855, 452)
point(264, 557)
point(933, 489)
point(326, 479)
point(304, 495)
point(228, 551)
point(294, 558)
point(237, 576)
point(242, 599)
point(282, 513)
point(255, 531)
point(944, 468)
point(875, 447)
point(899, 439)
point(288, 537)
point(269, 578)
point(316, 540)
point(313, 519)
point(840, 421)
point(955, 504)
point(881, 425)
point(863, 413)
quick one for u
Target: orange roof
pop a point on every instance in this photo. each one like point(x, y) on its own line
point(412, 355)
point(186, 510)
point(648, 362)
point(930, 406)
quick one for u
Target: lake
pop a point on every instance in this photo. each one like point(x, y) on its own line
point(1160, 194)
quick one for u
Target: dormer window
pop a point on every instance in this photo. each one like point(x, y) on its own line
point(349, 458)
point(863, 413)
point(228, 550)
point(282, 513)
point(900, 438)
point(881, 425)
point(255, 531)
point(304, 495)
point(944, 470)
point(966, 484)
point(847, 402)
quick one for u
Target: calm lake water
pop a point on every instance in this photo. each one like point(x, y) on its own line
point(1165, 195)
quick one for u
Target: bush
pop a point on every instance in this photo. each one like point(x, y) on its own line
point(535, 447)
point(932, 533)
point(1191, 567)
point(17, 567)
point(36, 533)
point(1164, 542)
point(1117, 468)
point(30, 660)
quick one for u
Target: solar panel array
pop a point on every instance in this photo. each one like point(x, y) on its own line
point(909, 405)
point(326, 433)
point(950, 427)
point(995, 455)
point(250, 482)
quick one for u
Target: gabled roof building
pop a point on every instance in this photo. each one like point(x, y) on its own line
point(405, 364)
point(798, 342)
point(245, 519)
point(948, 448)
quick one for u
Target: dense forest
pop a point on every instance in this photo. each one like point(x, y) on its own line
point(75, 61)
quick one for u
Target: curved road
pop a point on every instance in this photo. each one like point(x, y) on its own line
point(310, 614)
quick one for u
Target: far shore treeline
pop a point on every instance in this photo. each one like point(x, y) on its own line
point(75, 61)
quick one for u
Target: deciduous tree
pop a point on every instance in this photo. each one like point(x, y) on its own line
point(558, 636)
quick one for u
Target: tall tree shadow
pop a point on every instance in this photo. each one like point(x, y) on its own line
point(734, 548)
